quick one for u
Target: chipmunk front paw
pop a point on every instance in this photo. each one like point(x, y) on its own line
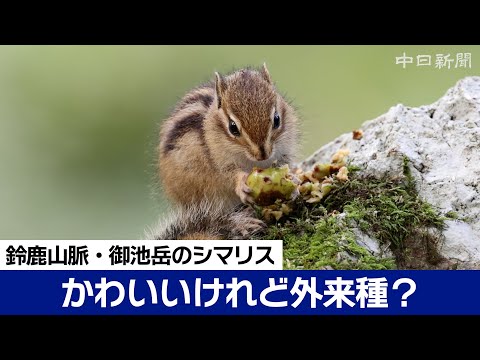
point(242, 190)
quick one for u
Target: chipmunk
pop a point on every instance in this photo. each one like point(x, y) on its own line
point(209, 144)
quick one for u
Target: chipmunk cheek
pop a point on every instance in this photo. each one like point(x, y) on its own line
point(252, 152)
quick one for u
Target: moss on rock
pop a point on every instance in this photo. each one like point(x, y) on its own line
point(387, 209)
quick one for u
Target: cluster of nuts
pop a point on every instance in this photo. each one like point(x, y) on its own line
point(275, 189)
point(317, 183)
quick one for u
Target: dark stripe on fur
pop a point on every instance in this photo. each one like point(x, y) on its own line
point(191, 122)
point(205, 99)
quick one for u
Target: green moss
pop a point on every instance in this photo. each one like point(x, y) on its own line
point(452, 215)
point(323, 243)
point(387, 209)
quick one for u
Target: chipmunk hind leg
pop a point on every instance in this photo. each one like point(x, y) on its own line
point(244, 223)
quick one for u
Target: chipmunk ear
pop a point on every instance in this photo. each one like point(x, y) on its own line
point(220, 87)
point(265, 74)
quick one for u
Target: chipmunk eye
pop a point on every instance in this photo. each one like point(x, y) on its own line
point(233, 128)
point(276, 120)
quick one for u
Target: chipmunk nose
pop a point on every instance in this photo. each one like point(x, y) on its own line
point(262, 154)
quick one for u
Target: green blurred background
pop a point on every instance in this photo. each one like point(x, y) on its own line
point(78, 124)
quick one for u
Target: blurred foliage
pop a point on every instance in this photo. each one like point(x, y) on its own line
point(78, 124)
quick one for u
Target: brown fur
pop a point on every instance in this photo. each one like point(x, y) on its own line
point(200, 236)
point(200, 160)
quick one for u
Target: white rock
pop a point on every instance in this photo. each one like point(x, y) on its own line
point(462, 246)
point(372, 245)
point(442, 141)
